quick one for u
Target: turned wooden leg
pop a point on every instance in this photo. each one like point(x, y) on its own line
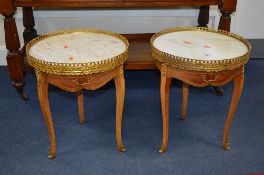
point(29, 24)
point(203, 19)
point(227, 7)
point(225, 21)
point(44, 104)
point(185, 96)
point(120, 96)
point(238, 86)
point(164, 98)
point(14, 56)
point(80, 106)
point(28, 34)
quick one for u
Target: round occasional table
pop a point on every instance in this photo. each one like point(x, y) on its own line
point(78, 59)
point(199, 57)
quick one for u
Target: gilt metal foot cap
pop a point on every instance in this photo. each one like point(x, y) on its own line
point(122, 148)
point(227, 146)
point(51, 155)
point(162, 149)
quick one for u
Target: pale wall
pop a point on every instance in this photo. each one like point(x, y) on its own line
point(248, 20)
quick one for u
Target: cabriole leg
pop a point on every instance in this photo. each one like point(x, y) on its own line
point(120, 96)
point(164, 96)
point(44, 104)
point(238, 86)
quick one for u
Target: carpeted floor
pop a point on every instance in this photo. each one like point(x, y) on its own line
point(194, 145)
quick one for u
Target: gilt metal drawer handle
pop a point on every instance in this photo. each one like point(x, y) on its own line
point(207, 80)
point(76, 81)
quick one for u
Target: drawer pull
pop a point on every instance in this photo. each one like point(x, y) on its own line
point(76, 81)
point(208, 79)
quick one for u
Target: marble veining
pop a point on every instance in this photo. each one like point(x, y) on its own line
point(77, 47)
point(200, 45)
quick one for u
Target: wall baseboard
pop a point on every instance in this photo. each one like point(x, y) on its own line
point(257, 48)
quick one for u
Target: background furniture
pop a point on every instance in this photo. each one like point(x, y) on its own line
point(139, 53)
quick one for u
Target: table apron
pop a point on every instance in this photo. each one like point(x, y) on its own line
point(201, 79)
point(77, 83)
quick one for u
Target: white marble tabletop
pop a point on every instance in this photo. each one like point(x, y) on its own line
point(200, 45)
point(77, 47)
